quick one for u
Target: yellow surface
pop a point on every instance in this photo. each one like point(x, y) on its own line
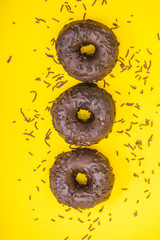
point(83, 115)
point(19, 157)
point(81, 178)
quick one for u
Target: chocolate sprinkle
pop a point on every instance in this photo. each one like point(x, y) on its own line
point(43, 160)
point(92, 229)
point(90, 226)
point(84, 16)
point(61, 8)
point(34, 96)
point(94, 2)
point(84, 7)
point(9, 59)
point(25, 118)
point(29, 134)
point(39, 19)
point(96, 220)
point(68, 209)
point(47, 137)
point(127, 53)
point(84, 236)
point(129, 104)
point(135, 175)
point(79, 210)
point(35, 124)
point(80, 220)
point(149, 140)
point(149, 52)
point(128, 134)
point(148, 195)
point(135, 213)
point(104, 1)
point(43, 181)
point(55, 20)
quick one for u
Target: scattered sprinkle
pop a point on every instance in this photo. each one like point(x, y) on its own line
point(43, 181)
point(84, 16)
point(55, 20)
point(94, 2)
point(68, 209)
point(91, 229)
point(84, 236)
point(80, 220)
point(9, 59)
point(96, 220)
point(84, 7)
point(135, 213)
point(104, 1)
point(149, 140)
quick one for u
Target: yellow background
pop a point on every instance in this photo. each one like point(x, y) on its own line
point(17, 80)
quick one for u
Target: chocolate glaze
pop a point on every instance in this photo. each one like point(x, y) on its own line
point(83, 96)
point(87, 68)
point(94, 165)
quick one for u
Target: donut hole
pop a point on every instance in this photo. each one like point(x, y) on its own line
point(84, 115)
point(88, 50)
point(81, 178)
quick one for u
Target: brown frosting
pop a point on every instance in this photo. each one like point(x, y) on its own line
point(87, 68)
point(83, 96)
point(94, 165)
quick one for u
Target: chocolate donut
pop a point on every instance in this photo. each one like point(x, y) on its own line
point(89, 97)
point(94, 165)
point(87, 68)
